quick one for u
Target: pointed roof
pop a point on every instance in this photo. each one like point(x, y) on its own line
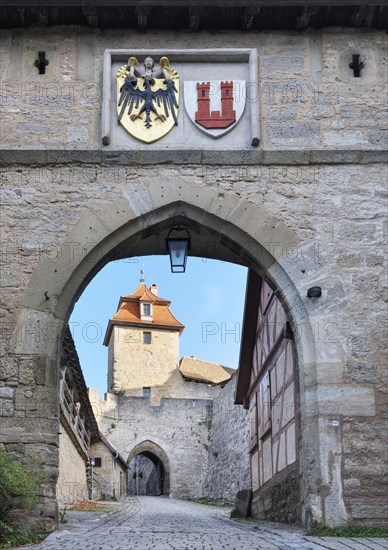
point(144, 293)
point(128, 312)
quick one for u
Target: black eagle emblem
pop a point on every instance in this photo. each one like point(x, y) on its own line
point(137, 89)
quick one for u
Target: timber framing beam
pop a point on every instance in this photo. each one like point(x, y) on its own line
point(303, 21)
point(196, 15)
point(191, 3)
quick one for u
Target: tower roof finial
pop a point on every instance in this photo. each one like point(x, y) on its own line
point(142, 279)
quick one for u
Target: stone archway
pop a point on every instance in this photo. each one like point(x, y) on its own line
point(223, 226)
point(154, 453)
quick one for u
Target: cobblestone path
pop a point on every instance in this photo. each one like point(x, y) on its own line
point(156, 523)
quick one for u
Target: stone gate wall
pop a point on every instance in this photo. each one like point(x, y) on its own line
point(180, 427)
point(307, 92)
point(311, 195)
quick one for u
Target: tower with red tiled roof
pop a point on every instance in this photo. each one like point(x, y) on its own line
point(143, 343)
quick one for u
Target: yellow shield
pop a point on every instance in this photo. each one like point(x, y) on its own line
point(147, 109)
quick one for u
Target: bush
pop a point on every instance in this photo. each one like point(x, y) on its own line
point(12, 536)
point(19, 481)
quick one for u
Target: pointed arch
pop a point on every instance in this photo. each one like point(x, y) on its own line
point(151, 449)
point(223, 226)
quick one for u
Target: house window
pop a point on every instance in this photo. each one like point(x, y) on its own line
point(146, 392)
point(147, 338)
point(97, 462)
point(147, 310)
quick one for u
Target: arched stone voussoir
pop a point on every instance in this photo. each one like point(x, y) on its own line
point(255, 220)
point(96, 239)
point(85, 246)
point(147, 445)
point(164, 191)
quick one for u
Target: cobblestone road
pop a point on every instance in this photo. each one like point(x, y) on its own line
point(155, 523)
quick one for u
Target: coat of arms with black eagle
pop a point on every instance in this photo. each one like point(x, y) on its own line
point(147, 100)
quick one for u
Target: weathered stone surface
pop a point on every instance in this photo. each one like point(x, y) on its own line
point(280, 502)
point(6, 393)
point(362, 373)
point(228, 467)
point(243, 504)
point(292, 132)
point(185, 421)
point(319, 172)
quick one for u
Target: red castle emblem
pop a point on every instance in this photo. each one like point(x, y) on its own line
point(215, 106)
point(215, 119)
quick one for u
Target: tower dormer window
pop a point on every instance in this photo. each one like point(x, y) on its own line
point(146, 311)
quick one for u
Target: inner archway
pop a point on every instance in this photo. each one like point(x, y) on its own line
point(145, 475)
point(149, 470)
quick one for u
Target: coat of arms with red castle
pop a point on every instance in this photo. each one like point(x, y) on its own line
point(215, 106)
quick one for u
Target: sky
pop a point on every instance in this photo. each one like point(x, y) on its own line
point(208, 299)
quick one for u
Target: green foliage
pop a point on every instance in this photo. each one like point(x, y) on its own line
point(13, 536)
point(19, 482)
point(349, 531)
point(62, 515)
point(203, 501)
point(215, 454)
point(120, 393)
point(113, 425)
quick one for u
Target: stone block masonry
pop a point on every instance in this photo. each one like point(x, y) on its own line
point(228, 467)
point(179, 427)
point(206, 441)
point(304, 77)
point(305, 208)
point(72, 485)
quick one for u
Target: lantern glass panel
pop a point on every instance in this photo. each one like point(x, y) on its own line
point(177, 249)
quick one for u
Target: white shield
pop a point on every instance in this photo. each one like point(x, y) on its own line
point(215, 106)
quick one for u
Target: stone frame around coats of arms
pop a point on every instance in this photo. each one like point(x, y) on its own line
point(220, 55)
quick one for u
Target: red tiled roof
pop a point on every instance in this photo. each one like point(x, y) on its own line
point(144, 293)
point(128, 312)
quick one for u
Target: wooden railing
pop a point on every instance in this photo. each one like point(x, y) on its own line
point(74, 414)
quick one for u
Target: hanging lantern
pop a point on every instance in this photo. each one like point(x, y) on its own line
point(178, 245)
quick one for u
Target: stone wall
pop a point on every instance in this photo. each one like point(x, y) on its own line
point(305, 208)
point(133, 365)
point(308, 94)
point(280, 501)
point(72, 485)
point(228, 468)
point(180, 427)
